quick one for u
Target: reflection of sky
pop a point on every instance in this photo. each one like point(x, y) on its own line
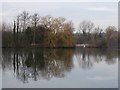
point(101, 75)
point(0, 78)
point(103, 14)
point(0, 70)
point(97, 78)
point(119, 72)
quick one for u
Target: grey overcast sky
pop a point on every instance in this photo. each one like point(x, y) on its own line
point(101, 13)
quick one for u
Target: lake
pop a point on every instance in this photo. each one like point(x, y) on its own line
point(60, 68)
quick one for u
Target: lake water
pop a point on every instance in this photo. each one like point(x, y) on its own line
point(59, 68)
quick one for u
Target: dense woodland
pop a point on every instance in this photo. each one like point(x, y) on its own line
point(47, 31)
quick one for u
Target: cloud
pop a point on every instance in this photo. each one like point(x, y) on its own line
point(72, 11)
point(103, 9)
point(60, 1)
point(101, 78)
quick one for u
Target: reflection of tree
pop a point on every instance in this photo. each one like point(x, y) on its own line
point(111, 57)
point(57, 63)
point(38, 63)
point(6, 56)
point(88, 57)
point(35, 64)
point(83, 59)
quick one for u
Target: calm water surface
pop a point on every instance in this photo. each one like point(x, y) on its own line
point(59, 68)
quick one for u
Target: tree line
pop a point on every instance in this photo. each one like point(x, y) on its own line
point(33, 30)
point(47, 31)
point(96, 36)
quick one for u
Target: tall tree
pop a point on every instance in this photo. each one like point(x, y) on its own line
point(83, 27)
point(110, 30)
point(14, 29)
point(86, 26)
point(90, 26)
point(18, 19)
point(25, 18)
point(35, 20)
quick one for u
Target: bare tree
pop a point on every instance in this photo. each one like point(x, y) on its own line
point(6, 26)
point(35, 20)
point(25, 17)
point(110, 30)
point(18, 21)
point(3, 26)
point(45, 21)
point(86, 26)
point(14, 29)
point(55, 24)
point(90, 26)
point(98, 30)
point(83, 26)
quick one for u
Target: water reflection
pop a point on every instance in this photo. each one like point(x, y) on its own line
point(88, 57)
point(36, 64)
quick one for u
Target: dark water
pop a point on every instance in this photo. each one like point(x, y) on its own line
point(60, 68)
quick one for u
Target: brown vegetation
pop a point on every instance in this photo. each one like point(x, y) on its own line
point(33, 30)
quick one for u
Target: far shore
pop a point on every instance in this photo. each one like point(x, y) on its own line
point(64, 47)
